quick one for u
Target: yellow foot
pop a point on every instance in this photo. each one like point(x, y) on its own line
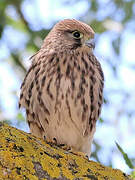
point(73, 151)
point(81, 154)
point(50, 142)
point(66, 148)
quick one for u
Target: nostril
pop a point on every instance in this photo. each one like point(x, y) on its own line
point(90, 43)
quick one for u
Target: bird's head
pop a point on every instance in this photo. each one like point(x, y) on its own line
point(70, 34)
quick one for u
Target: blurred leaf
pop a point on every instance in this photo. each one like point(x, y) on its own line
point(127, 7)
point(116, 45)
point(95, 153)
point(133, 174)
point(17, 61)
point(97, 26)
point(20, 117)
point(101, 120)
point(125, 156)
point(17, 24)
point(128, 10)
point(2, 16)
point(105, 101)
point(94, 5)
point(20, 120)
point(119, 3)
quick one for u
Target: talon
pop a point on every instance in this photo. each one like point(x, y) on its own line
point(78, 153)
point(65, 147)
point(69, 149)
point(61, 145)
point(44, 138)
point(55, 140)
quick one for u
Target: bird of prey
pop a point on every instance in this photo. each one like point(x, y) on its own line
point(63, 88)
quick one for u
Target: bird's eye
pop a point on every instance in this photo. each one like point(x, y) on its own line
point(77, 35)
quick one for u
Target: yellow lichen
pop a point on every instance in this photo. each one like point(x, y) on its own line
point(23, 156)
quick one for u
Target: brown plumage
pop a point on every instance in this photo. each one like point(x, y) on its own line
point(63, 89)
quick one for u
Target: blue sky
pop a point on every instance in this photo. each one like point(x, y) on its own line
point(118, 126)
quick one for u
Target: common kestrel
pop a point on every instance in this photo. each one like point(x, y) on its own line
point(63, 89)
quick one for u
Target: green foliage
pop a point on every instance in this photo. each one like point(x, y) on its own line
point(125, 156)
point(133, 174)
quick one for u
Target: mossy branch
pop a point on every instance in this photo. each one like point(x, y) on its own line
point(23, 156)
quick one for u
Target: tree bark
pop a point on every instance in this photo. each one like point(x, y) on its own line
point(23, 156)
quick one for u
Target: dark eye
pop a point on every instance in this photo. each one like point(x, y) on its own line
point(77, 35)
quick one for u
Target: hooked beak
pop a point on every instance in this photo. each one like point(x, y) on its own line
point(90, 43)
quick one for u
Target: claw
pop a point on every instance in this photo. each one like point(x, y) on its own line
point(44, 138)
point(55, 140)
point(81, 154)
